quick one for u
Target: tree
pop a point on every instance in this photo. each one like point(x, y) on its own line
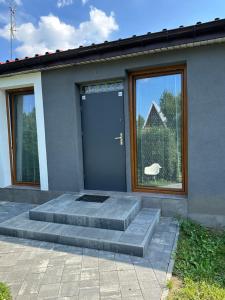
point(170, 106)
point(140, 122)
point(30, 148)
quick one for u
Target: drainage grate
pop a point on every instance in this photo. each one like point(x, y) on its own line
point(92, 198)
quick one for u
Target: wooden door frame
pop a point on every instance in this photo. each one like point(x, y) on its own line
point(148, 73)
point(10, 94)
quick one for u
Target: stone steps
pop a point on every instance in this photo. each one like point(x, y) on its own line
point(116, 213)
point(133, 240)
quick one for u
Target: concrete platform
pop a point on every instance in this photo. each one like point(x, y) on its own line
point(134, 240)
point(116, 213)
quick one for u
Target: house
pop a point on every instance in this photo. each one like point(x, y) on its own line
point(155, 117)
point(68, 121)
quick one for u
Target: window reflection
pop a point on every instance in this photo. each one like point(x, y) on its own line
point(26, 163)
point(158, 131)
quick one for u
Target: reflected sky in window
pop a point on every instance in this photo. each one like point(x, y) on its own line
point(151, 89)
point(28, 103)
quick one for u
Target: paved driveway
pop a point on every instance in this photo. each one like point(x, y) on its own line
point(40, 270)
point(11, 209)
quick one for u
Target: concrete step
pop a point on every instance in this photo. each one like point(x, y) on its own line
point(115, 213)
point(133, 241)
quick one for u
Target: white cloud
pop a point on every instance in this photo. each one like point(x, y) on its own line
point(62, 3)
point(59, 3)
point(17, 2)
point(51, 33)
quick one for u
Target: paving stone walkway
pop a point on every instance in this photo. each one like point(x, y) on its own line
point(39, 270)
point(12, 209)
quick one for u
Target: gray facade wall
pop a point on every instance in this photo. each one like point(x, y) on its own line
point(206, 121)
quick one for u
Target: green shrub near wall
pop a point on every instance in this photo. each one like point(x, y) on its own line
point(158, 145)
point(4, 292)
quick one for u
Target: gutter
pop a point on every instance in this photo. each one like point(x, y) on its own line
point(118, 57)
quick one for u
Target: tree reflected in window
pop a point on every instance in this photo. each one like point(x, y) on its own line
point(24, 135)
point(158, 131)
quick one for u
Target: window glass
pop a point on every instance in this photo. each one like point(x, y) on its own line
point(26, 162)
point(159, 131)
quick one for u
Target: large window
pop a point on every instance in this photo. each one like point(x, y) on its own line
point(158, 126)
point(23, 132)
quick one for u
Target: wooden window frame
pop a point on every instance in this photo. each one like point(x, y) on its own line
point(10, 94)
point(148, 73)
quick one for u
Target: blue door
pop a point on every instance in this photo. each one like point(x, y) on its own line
point(103, 141)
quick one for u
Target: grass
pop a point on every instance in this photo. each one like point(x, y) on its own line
point(157, 182)
point(199, 271)
point(4, 292)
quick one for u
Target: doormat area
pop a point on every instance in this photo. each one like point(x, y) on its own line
point(92, 198)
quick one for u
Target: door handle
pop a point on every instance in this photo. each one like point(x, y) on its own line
point(120, 138)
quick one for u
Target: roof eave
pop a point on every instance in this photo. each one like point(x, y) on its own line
point(133, 52)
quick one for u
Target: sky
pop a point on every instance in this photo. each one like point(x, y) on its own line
point(149, 90)
point(47, 25)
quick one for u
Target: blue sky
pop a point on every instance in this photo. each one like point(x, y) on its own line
point(151, 89)
point(44, 26)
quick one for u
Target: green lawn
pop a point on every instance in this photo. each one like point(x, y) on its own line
point(155, 183)
point(199, 271)
point(4, 292)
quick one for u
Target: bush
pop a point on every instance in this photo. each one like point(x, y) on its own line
point(199, 291)
point(157, 145)
point(4, 292)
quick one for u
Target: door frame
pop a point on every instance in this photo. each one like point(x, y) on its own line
point(154, 72)
point(81, 89)
point(11, 132)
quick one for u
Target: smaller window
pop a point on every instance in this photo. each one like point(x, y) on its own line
point(23, 129)
point(102, 87)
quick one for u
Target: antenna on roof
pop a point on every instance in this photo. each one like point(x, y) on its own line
point(12, 28)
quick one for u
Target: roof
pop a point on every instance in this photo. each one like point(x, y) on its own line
point(155, 106)
point(165, 39)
